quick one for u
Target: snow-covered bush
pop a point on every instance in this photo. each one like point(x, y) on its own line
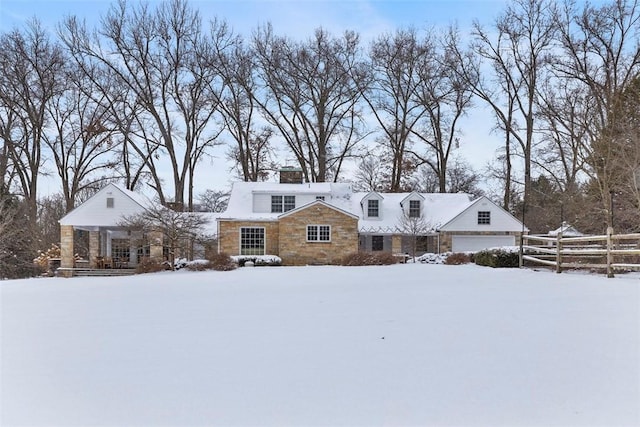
point(498, 258)
point(430, 258)
point(222, 262)
point(149, 265)
point(459, 258)
point(258, 260)
point(198, 265)
point(369, 258)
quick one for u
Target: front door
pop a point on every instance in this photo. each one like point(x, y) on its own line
point(377, 243)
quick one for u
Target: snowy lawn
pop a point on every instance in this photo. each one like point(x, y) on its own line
point(396, 345)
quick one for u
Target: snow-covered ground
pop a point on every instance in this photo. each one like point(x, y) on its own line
point(406, 344)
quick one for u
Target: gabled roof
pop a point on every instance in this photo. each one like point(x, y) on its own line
point(437, 209)
point(514, 223)
point(314, 203)
point(412, 196)
point(241, 198)
point(371, 195)
point(567, 230)
point(93, 212)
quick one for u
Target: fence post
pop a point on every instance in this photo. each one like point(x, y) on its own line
point(521, 261)
point(559, 253)
point(609, 254)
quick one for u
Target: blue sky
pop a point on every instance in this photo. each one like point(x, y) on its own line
point(298, 19)
point(294, 17)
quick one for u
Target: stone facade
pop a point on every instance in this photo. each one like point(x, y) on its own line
point(66, 246)
point(229, 235)
point(294, 249)
point(156, 246)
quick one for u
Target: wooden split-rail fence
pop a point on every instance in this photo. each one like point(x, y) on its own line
point(607, 252)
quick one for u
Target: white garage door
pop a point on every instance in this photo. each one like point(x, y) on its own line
point(478, 243)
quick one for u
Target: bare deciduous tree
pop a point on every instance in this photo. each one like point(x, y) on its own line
point(213, 200)
point(31, 75)
point(600, 52)
point(396, 61)
point(446, 96)
point(161, 58)
point(81, 142)
point(252, 149)
point(518, 58)
point(178, 229)
point(310, 93)
point(413, 227)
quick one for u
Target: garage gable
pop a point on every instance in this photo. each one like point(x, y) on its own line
point(482, 215)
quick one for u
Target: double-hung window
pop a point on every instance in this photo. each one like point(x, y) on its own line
point(414, 208)
point(282, 203)
point(484, 217)
point(373, 208)
point(318, 233)
point(252, 241)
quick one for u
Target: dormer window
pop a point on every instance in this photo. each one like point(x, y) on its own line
point(373, 208)
point(414, 208)
point(282, 203)
point(110, 202)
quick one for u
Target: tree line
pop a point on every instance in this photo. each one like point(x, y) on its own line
point(152, 88)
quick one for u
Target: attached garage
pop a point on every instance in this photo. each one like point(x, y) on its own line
point(474, 243)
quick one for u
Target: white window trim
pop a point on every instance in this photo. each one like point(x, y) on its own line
point(264, 243)
point(379, 216)
point(318, 233)
point(488, 218)
point(419, 208)
point(112, 204)
point(282, 203)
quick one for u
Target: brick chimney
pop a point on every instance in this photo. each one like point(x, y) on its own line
point(290, 175)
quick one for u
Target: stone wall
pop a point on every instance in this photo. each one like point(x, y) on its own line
point(66, 246)
point(294, 248)
point(229, 235)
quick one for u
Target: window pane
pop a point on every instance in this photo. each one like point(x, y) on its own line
point(414, 208)
point(276, 203)
point(251, 241)
point(372, 208)
point(109, 202)
point(312, 233)
point(289, 203)
point(325, 233)
point(484, 217)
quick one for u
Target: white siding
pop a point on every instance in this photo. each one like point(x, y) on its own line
point(94, 212)
point(262, 202)
point(468, 219)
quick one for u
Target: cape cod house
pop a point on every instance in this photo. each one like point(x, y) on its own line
point(302, 223)
point(319, 223)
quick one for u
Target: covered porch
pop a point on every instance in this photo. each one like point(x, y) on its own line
point(110, 249)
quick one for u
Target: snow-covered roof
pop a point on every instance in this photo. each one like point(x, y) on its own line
point(95, 212)
point(567, 230)
point(317, 202)
point(437, 209)
point(241, 198)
